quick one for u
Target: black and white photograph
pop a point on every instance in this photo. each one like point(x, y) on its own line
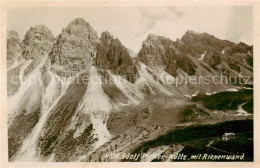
point(130, 83)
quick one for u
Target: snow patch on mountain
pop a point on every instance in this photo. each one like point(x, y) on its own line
point(208, 93)
point(202, 56)
point(241, 111)
point(193, 95)
point(232, 90)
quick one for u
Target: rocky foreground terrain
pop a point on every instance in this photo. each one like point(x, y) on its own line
point(77, 96)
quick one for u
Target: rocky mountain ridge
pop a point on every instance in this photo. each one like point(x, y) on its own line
point(158, 51)
point(112, 55)
point(37, 41)
point(74, 48)
point(72, 121)
point(78, 47)
point(14, 47)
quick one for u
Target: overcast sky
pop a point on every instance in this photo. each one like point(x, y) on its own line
point(132, 24)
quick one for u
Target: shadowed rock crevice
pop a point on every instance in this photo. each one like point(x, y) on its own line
point(161, 52)
point(112, 55)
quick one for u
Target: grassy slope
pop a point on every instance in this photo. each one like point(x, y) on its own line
point(196, 133)
point(226, 100)
point(249, 107)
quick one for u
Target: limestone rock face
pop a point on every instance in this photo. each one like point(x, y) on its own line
point(38, 41)
point(14, 46)
point(158, 51)
point(221, 55)
point(240, 54)
point(212, 59)
point(52, 118)
point(153, 50)
point(74, 48)
point(112, 55)
point(201, 42)
point(239, 57)
point(241, 48)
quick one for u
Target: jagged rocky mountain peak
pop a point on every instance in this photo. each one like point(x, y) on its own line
point(79, 21)
point(201, 42)
point(106, 35)
point(244, 47)
point(12, 34)
point(191, 32)
point(241, 48)
point(114, 56)
point(192, 35)
point(106, 38)
point(195, 34)
point(38, 41)
point(74, 48)
point(78, 24)
point(82, 29)
point(36, 34)
point(152, 36)
point(163, 53)
point(153, 50)
point(14, 47)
